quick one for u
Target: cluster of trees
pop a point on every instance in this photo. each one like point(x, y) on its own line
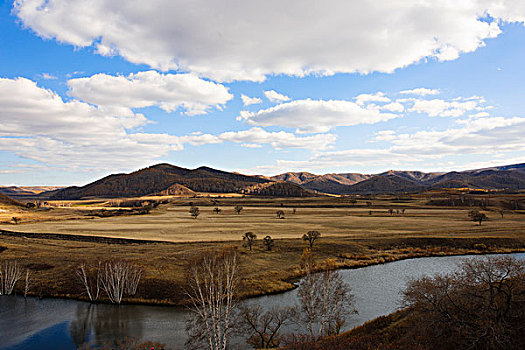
point(116, 278)
point(11, 272)
point(481, 306)
point(248, 239)
point(324, 302)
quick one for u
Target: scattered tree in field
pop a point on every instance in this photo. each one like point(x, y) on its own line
point(481, 306)
point(370, 212)
point(476, 216)
point(501, 212)
point(311, 237)
point(263, 327)
point(217, 210)
point(368, 204)
point(391, 211)
point(248, 238)
point(90, 280)
point(403, 211)
point(268, 242)
point(118, 278)
point(10, 273)
point(324, 301)
point(280, 214)
point(238, 209)
point(16, 220)
point(294, 210)
point(195, 212)
point(213, 285)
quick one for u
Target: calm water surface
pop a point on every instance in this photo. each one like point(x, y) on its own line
point(64, 324)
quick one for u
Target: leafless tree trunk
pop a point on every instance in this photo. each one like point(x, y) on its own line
point(119, 277)
point(213, 283)
point(134, 275)
point(325, 301)
point(9, 275)
point(27, 283)
point(91, 285)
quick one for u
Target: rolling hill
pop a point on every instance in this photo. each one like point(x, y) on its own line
point(167, 179)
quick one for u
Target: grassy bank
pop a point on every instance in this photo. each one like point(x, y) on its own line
point(54, 259)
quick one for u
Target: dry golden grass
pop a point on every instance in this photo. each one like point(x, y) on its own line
point(349, 235)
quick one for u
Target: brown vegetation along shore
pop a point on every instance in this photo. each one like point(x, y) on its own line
point(54, 259)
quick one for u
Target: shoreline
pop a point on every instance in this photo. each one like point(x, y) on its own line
point(291, 280)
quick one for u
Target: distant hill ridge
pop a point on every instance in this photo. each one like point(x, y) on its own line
point(167, 179)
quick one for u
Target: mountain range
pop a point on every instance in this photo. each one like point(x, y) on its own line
point(167, 179)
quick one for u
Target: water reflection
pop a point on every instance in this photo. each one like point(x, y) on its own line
point(99, 323)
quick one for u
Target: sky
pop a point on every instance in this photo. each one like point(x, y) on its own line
point(92, 88)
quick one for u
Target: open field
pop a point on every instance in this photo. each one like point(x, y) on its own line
point(168, 238)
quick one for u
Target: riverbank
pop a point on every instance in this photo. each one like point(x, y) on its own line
point(53, 260)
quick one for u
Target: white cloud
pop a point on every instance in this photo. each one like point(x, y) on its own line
point(247, 100)
point(38, 124)
point(393, 107)
point(279, 140)
point(231, 40)
point(442, 108)
point(315, 115)
point(274, 96)
point(47, 76)
point(486, 138)
point(377, 97)
point(420, 92)
point(150, 88)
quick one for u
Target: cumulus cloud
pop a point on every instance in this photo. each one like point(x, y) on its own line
point(315, 116)
point(377, 97)
point(274, 96)
point(38, 124)
point(150, 88)
point(491, 137)
point(256, 136)
point(442, 108)
point(247, 100)
point(231, 40)
point(420, 91)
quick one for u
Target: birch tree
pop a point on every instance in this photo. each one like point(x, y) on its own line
point(10, 273)
point(213, 283)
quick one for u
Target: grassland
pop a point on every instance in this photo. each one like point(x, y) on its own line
point(169, 237)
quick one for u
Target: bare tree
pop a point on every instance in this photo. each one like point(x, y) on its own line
point(324, 301)
point(9, 276)
point(481, 306)
point(268, 242)
point(248, 238)
point(194, 211)
point(280, 214)
point(27, 284)
point(90, 281)
point(134, 276)
point(217, 210)
point(213, 283)
point(119, 277)
point(16, 220)
point(263, 327)
point(311, 237)
point(238, 209)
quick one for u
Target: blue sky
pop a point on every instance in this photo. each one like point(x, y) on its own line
point(93, 88)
